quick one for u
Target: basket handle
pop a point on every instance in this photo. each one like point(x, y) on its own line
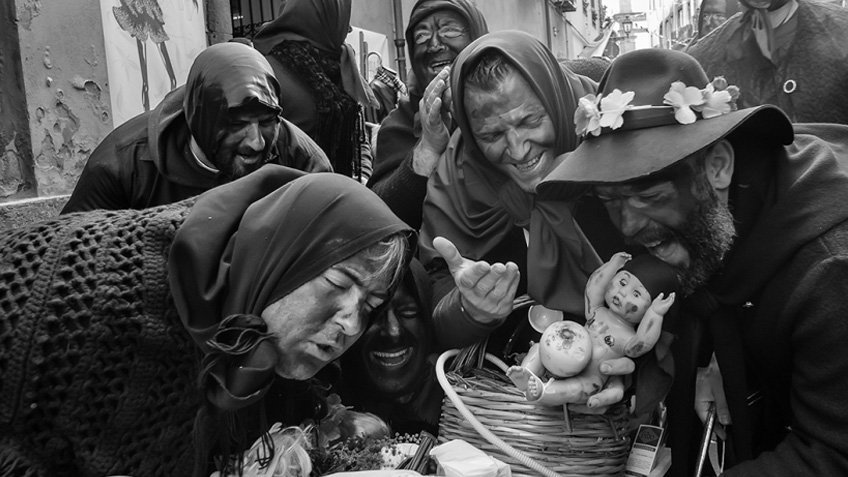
point(476, 424)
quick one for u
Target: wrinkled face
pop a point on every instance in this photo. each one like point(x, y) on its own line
point(318, 321)
point(247, 142)
point(393, 351)
point(684, 225)
point(513, 130)
point(627, 297)
point(438, 39)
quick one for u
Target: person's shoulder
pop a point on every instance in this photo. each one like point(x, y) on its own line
point(717, 39)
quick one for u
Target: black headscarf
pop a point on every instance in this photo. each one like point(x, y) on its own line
point(223, 77)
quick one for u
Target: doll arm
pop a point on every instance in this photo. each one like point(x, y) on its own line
point(576, 389)
point(601, 277)
point(648, 332)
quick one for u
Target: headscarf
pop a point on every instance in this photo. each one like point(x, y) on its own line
point(476, 206)
point(222, 77)
point(249, 243)
point(324, 24)
point(477, 27)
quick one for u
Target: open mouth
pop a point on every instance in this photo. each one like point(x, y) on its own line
point(440, 64)
point(529, 165)
point(251, 159)
point(391, 359)
point(327, 352)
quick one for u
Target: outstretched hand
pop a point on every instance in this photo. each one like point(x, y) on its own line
point(487, 290)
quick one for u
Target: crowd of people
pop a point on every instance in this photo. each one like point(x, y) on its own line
point(231, 255)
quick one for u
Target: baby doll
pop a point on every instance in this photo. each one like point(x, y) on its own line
point(626, 301)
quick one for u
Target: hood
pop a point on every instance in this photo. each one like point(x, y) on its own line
point(223, 77)
point(792, 211)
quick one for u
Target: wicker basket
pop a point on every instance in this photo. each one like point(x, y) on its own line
point(485, 409)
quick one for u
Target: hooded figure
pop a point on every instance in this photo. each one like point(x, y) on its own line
point(749, 210)
point(394, 177)
point(152, 342)
point(223, 123)
point(489, 215)
point(324, 89)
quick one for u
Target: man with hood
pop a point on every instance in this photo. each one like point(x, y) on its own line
point(414, 135)
point(733, 200)
point(222, 124)
point(789, 53)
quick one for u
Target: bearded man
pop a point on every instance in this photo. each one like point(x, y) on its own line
point(749, 209)
point(224, 123)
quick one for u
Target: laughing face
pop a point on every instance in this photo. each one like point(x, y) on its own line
point(438, 39)
point(393, 351)
point(513, 130)
point(681, 221)
point(247, 142)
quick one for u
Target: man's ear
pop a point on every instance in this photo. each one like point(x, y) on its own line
point(719, 165)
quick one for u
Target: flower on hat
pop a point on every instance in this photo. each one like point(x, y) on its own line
point(594, 113)
point(587, 116)
point(719, 98)
point(613, 107)
point(683, 99)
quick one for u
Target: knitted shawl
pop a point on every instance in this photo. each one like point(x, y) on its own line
point(98, 373)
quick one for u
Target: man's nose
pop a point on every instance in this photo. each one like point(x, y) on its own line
point(435, 42)
point(631, 221)
point(517, 146)
point(253, 137)
point(392, 328)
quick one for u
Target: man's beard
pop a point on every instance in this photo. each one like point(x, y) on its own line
point(707, 235)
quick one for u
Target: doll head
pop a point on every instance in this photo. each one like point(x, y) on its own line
point(637, 284)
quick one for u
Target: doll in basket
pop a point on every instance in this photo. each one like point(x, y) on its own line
point(626, 301)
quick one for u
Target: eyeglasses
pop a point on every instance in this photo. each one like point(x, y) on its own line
point(447, 32)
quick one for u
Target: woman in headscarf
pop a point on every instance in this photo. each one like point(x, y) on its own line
point(322, 87)
point(514, 105)
point(155, 342)
point(407, 147)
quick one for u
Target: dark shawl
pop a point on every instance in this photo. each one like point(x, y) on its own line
point(247, 244)
point(475, 206)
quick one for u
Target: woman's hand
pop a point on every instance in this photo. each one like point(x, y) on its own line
point(434, 114)
point(486, 291)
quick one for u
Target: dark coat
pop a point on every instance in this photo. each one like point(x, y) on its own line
point(775, 315)
point(816, 60)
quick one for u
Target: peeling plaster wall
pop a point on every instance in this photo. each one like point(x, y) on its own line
point(16, 172)
point(67, 94)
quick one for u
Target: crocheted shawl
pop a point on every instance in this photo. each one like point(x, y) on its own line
point(98, 371)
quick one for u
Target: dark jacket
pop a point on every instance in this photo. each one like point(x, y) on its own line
point(775, 315)
point(147, 162)
point(815, 60)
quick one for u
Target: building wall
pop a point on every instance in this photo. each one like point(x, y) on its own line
point(64, 84)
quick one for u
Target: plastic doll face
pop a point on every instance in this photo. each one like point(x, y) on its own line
point(393, 351)
point(627, 297)
point(513, 130)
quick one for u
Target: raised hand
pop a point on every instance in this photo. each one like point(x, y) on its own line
point(487, 291)
point(434, 114)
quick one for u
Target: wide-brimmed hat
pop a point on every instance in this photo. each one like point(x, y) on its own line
point(655, 107)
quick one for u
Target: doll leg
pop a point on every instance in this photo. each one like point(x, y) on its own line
point(526, 381)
